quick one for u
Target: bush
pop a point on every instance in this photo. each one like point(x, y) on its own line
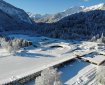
point(10, 46)
point(49, 76)
point(13, 45)
point(100, 77)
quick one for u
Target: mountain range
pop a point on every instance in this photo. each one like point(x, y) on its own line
point(49, 18)
point(76, 22)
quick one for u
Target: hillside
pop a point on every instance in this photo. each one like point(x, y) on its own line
point(12, 18)
point(81, 25)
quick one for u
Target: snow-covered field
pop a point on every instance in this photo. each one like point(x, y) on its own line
point(32, 59)
point(47, 53)
point(75, 73)
point(84, 76)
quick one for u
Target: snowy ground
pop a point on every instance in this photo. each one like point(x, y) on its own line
point(32, 59)
point(84, 76)
point(49, 52)
point(75, 71)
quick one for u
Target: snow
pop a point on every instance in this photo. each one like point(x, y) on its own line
point(19, 66)
point(50, 52)
point(13, 11)
point(72, 10)
point(84, 76)
point(74, 71)
point(96, 58)
point(55, 17)
point(95, 7)
point(31, 60)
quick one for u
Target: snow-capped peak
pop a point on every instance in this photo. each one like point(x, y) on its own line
point(72, 10)
point(100, 6)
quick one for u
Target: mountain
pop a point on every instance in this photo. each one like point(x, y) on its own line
point(37, 16)
point(76, 22)
point(12, 18)
point(16, 13)
point(100, 6)
point(34, 16)
point(56, 17)
point(82, 25)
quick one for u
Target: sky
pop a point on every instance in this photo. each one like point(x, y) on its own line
point(50, 6)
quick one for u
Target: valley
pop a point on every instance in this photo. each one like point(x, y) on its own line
point(48, 48)
point(49, 52)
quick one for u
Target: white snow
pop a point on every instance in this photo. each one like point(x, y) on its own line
point(65, 13)
point(13, 11)
point(75, 72)
point(50, 52)
point(84, 76)
point(100, 6)
point(32, 60)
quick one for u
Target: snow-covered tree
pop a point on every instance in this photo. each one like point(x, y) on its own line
point(93, 39)
point(57, 82)
point(100, 77)
point(49, 76)
point(10, 45)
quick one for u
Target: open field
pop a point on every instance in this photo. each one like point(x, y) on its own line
point(48, 52)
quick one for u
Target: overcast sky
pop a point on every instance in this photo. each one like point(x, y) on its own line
point(51, 6)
